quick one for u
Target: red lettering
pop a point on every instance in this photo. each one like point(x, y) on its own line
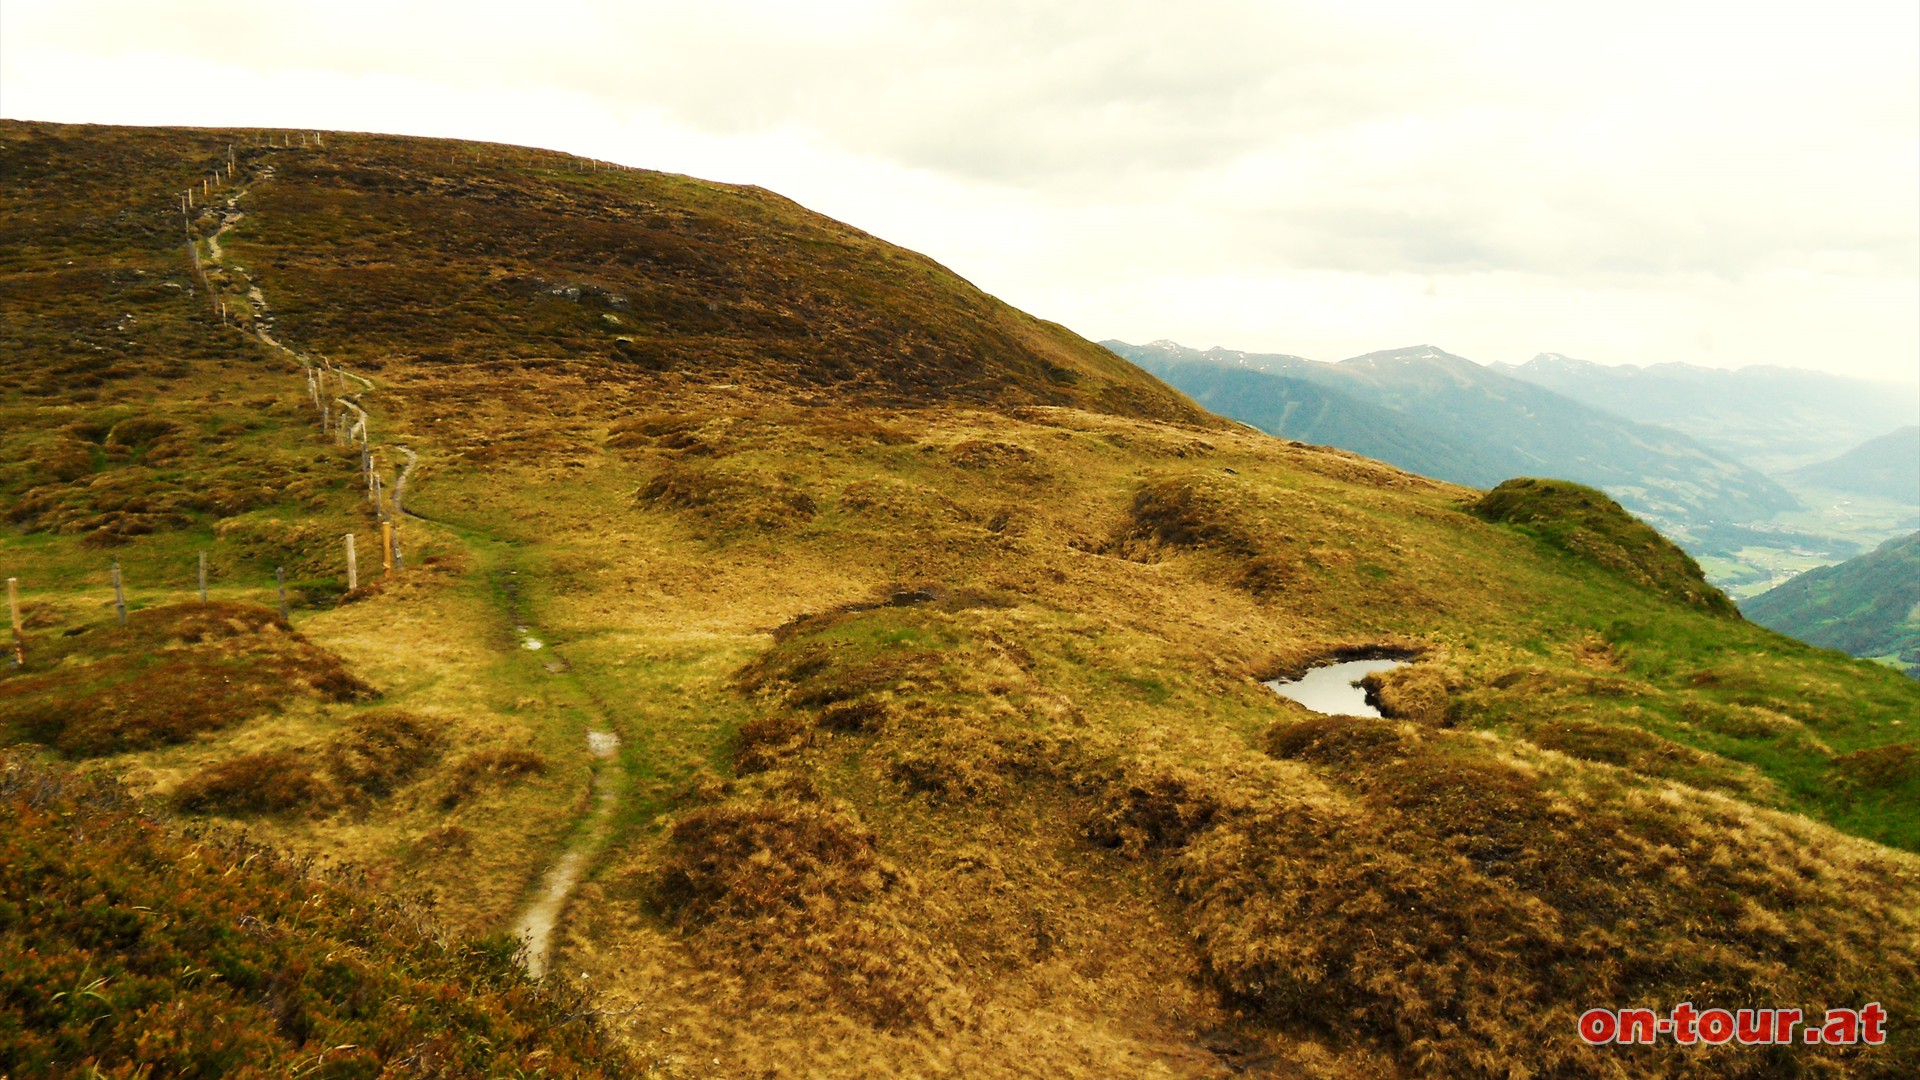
point(1716, 1026)
point(1754, 1026)
point(1872, 1017)
point(1784, 1021)
point(1637, 1026)
point(1598, 1026)
point(1842, 1026)
point(1683, 1020)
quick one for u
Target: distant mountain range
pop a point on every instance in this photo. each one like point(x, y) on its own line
point(1771, 418)
point(1444, 416)
point(1887, 467)
point(1867, 606)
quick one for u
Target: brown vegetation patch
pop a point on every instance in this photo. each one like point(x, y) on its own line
point(1892, 766)
point(864, 715)
point(1587, 523)
point(267, 783)
point(898, 503)
point(379, 753)
point(1188, 513)
point(1629, 748)
point(383, 750)
point(1153, 813)
point(1460, 912)
point(990, 454)
point(668, 431)
point(766, 741)
point(172, 673)
point(491, 768)
point(1331, 740)
point(128, 949)
point(796, 894)
point(728, 501)
point(1426, 693)
point(957, 766)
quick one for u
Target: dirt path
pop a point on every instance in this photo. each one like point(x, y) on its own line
point(536, 922)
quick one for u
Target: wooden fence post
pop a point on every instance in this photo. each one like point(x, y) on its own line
point(119, 594)
point(19, 630)
point(386, 545)
point(353, 566)
point(203, 577)
point(280, 580)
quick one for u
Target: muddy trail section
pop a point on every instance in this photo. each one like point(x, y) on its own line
point(541, 912)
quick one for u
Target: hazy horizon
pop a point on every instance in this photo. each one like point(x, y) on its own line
point(1659, 183)
point(1912, 384)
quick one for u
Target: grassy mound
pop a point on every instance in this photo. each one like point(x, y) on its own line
point(127, 949)
point(381, 752)
point(1587, 523)
point(795, 892)
point(170, 674)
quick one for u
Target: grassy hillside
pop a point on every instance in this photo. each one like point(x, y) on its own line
point(1869, 606)
point(904, 716)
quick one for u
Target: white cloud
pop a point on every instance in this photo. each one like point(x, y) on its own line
point(1626, 183)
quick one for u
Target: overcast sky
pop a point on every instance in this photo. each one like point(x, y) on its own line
point(1721, 184)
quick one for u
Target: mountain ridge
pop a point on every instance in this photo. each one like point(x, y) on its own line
point(1535, 430)
point(1775, 418)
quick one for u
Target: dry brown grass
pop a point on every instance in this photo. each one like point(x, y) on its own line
point(795, 892)
point(173, 673)
point(489, 768)
point(265, 783)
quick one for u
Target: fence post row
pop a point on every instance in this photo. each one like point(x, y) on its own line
point(335, 421)
point(19, 629)
point(119, 594)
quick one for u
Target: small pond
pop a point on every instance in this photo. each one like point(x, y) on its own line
point(1335, 688)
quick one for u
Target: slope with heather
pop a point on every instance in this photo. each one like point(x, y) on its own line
point(936, 669)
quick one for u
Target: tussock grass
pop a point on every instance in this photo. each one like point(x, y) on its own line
point(265, 783)
point(171, 674)
point(381, 751)
point(489, 767)
point(793, 889)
